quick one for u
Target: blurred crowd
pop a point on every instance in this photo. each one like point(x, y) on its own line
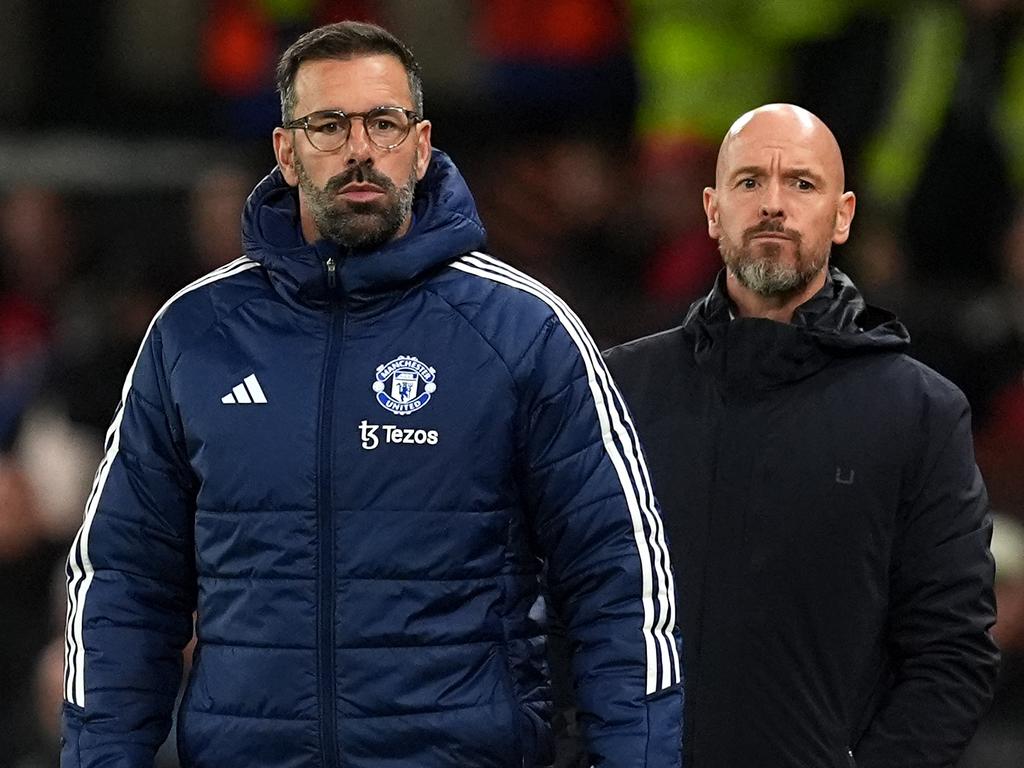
point(587, 130)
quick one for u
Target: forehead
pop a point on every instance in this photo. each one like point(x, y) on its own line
point(762, 149)
point(784, 141)
point(354, 84)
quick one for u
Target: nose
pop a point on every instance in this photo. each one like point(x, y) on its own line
point(358, 147)
point(771, 202)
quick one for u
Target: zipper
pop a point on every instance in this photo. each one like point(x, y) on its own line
point(332, 277)
point(325, 528)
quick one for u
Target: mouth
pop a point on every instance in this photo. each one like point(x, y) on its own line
point(361, 193)
point(770, 236)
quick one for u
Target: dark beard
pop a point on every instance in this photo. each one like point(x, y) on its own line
point(359, 224)
point(762, 272)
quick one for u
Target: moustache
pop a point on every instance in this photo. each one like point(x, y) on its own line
point(770, 226)
point(361, 173)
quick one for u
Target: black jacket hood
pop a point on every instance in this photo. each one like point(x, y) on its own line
point(754, 353)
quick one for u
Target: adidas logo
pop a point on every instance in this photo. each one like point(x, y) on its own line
point(249, 391)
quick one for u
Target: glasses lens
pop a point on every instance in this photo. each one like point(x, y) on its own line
point(327, 131)
point(387, 127)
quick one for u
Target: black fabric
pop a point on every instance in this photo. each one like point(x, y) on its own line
point(829, 532)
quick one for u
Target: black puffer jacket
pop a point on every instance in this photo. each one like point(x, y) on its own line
point(829, 532)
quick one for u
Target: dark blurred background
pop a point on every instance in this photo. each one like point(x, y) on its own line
point(132, 130)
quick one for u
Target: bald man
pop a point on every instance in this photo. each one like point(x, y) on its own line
point(828, 525)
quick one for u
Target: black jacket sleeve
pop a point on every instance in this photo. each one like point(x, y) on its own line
point(941, 601)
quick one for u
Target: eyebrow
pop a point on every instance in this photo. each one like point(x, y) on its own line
point(757, 170)
point(807, 173)
point(371, 109)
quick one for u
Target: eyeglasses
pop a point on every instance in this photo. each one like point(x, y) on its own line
point(328, 130)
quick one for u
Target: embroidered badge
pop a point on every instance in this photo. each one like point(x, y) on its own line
point(398, 385)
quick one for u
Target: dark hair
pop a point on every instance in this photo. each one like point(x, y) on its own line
point(344, 40)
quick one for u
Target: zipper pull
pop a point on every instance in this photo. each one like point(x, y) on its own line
point(332, 274)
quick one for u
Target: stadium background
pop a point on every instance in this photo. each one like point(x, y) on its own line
point(132, 130)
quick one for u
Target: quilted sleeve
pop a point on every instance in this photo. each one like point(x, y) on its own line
point(131, 582)
point(598, 525)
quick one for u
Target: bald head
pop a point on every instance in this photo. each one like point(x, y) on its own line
point(784, 125)
point(777, 208)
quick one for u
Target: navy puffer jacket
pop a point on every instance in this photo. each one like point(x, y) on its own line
point(354, 468)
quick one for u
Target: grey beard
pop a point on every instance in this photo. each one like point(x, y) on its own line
point(357, 225)
point(764, 275)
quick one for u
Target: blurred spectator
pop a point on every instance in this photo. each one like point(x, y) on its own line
point(87, 384)
point(992, 340)
point(999, 742)
point(140, 250)
point(930, 308)
point(566, 209)
point(27, 559)
point(45, 703)
point(1000, 447)
point(36, 257)
point(684, 259)
point(215, 204)
point(58, 459)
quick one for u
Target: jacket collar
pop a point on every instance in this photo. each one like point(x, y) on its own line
point(757, 354)
point(445, 225)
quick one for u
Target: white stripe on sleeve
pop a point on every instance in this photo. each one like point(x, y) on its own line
point(79, 567)
point(618, 436)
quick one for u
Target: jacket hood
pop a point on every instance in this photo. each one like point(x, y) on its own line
point(445, 225)
point(754, 353)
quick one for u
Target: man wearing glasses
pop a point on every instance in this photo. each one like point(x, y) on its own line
point(353, 452)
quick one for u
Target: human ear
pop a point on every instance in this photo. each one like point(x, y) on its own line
point(423, 148)
point(711, 209)
point(844, 217)
point(284, 151)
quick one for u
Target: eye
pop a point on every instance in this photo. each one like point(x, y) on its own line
point(385, 127)
point(325, 125)
point(804, 185)
point(385, 123)
point(748, 183)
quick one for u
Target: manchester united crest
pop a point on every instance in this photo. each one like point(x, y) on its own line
point(404, 385)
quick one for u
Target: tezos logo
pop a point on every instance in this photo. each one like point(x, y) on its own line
point(397, 386)
point(389, 433)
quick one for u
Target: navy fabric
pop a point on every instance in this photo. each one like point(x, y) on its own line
point(357, 490)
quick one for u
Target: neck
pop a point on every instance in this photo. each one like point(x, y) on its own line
point(309, 228)
point(778, 307)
